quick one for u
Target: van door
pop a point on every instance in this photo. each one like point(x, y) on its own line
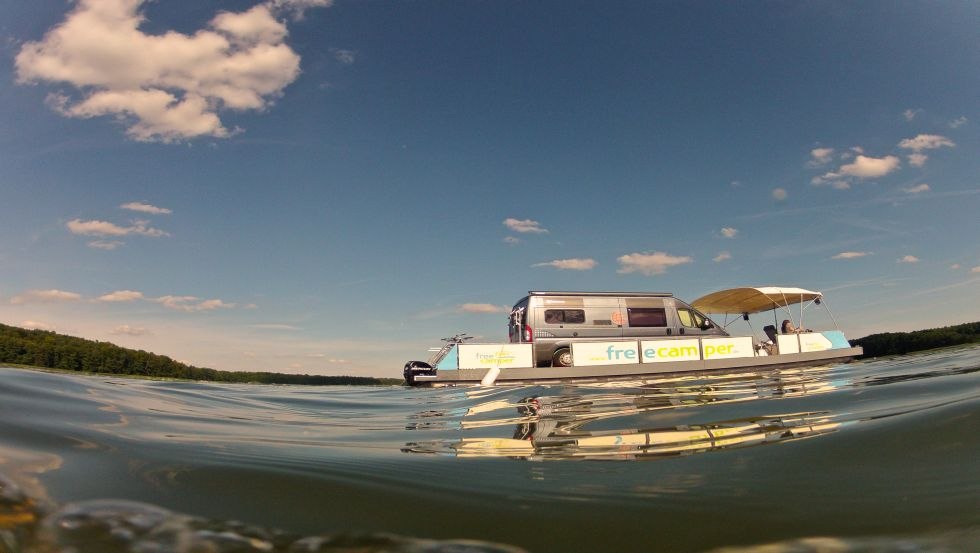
point(561, 321)
point(692, 322)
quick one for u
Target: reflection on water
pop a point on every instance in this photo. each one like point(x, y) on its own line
point(557, 426)
point(872, 456)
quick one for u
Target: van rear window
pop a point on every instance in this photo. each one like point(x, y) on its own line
point(564, 316)
point(647, 316)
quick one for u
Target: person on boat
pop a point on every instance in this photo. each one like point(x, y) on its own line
point(769, 345)
point(788, 328)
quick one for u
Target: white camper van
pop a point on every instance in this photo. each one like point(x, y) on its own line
point(551, 321)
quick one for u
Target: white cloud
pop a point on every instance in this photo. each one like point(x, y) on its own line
point(911, 114)
point(723, 256)
point(569, 264)
point(851, 255)
point(105, 244)
point(862, 167)
point(649, 264)
point(524, 225)
point(45, 296)
point(918, 189)
point(121, 296)
point(958, 122)
point(36, 325)
point(820, 157)
point(779, 194)
point(975, 269)
point(954, 267)
point(346, 57)
point(130, 330)
point(483, 308)
point(909, 259)
point(146, 208)
point(926, 142)
point(191, 304)
point(917, 160)
point(105, 228)
point(865, 167)
point(168, 86)
point(729, 232)
point(297, 7)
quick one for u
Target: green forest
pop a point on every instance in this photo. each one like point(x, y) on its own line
point(897, 343)
point(41, 348)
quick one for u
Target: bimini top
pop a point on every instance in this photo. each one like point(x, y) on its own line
point(753, 300)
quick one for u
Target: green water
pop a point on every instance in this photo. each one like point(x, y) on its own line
point(871, 456)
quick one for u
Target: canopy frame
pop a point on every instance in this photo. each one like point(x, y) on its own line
point(747, 300)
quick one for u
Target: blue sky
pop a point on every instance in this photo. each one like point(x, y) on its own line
point(329, 188)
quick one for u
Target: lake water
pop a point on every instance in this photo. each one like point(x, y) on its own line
point(878, 455)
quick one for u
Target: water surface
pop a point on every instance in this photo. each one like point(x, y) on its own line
point(876, 455)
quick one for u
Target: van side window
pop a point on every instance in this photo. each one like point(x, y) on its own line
point(647, 316)
point(564, 316)
point(690, 319)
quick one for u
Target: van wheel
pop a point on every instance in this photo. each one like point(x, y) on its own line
point(562, 358)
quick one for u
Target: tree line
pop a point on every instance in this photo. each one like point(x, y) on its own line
point(42, 348)
point(897, 343)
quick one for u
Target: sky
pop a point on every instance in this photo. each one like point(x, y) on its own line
point(322, 187)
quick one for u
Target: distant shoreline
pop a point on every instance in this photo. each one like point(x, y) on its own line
point(375, 381)
point(899, 343)
point(42, 349)
point(50, 351)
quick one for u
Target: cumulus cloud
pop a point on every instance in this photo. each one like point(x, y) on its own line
point(975, 269)
point(191, 304)
point(917, 189)
point(918, 160)
point(723, 256)
point(865, 167)
point(911, 114)
point(105, 244)
point(850, 255)
point(926, 142)
point(729, 232)
point(105, 228)
point(121, 296)
point(483, 308)
point(130, 330)
point(649, 264)
point(524, 226)
point(574, 264)
point(909, 259)
point(146, 208)
point(862, 167)
point(779, 194)
point(958, 122)
point(346, 57)
point(168, 86)
point(45, 296)
point(820, 157)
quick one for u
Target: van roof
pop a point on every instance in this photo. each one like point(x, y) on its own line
point(602, 294)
